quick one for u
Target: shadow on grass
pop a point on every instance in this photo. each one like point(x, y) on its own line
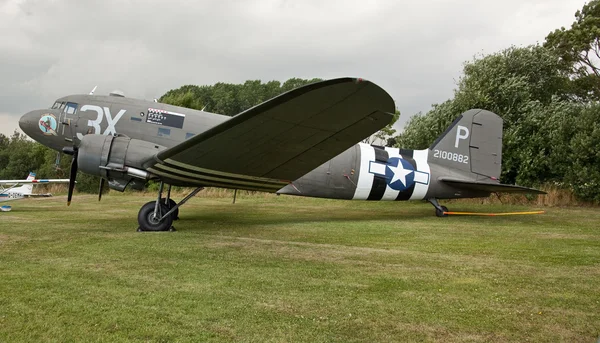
point(210, 216)
point(204, 220)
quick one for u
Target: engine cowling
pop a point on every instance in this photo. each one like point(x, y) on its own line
point(118, 159)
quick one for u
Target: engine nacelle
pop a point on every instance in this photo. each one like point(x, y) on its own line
point(118, 159)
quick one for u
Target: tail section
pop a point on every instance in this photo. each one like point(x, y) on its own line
point(26, 189)
point(472, 143)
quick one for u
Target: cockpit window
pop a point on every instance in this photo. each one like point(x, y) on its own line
point(71, 108)
point(56, 105)
point(61, 106)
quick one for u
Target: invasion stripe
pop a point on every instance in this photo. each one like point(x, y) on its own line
point(197, 182)
point(162, 170)
point(219, 173)
point(379, 182)
point(406, 153)
point(390, 193)
point(215, 178)
point(407, 193)
point(420, 191)
point(365, 178)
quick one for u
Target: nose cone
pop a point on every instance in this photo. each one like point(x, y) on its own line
point(28, 122)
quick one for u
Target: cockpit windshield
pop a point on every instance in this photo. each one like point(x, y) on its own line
point(68, 107)
point(71, 108)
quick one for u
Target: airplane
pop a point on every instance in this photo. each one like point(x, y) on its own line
point(21, 189)
point(303, 142)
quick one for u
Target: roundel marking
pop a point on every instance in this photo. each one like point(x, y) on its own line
point(399, 174)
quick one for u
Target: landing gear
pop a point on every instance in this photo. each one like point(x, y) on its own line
point(151, 221)
point(170, 203)
point(440, 211)
point(158, 215)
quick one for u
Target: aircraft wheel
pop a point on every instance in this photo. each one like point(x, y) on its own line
point(172, 204)
point(441, 213)
point(148, 222)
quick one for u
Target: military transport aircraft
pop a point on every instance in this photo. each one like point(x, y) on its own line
point(21, 189)
point(302, 143)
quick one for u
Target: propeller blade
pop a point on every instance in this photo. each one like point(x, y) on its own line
point(72, 178)
point(101, 188)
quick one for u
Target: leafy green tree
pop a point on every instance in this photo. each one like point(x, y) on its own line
point(20, 157)
point(582, 167)
point(230, 99)
point(513, 83)
point(579, 50)
point(505, 83)
point(547, 137)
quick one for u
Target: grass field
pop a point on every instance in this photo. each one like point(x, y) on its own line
point(284, 269)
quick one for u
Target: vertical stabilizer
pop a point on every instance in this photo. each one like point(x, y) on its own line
point(472, 143)
point(27, 189)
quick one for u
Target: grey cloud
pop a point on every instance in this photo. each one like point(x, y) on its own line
point(414, 50)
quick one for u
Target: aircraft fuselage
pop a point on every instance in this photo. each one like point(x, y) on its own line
point(362, 172)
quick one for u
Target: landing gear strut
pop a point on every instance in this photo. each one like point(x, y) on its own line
point(171, 203)
point(158, 215)
point(439, 210)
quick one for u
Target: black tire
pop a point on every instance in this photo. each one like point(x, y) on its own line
point(172, 204)
point(146, 218)
point(441, 213)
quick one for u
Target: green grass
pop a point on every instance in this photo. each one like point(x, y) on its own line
point(285, 269)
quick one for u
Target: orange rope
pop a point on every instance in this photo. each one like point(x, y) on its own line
point(493, 214)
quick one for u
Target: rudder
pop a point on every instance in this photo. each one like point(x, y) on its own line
point(27, 189)
point(472, 143)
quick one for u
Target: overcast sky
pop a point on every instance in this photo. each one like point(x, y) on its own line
point(413, 49)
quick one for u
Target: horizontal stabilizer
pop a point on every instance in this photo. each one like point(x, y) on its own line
point(489, 186)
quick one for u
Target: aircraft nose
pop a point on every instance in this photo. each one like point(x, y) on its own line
point(29, 121)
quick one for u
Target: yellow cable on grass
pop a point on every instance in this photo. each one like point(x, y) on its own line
point(493, 214)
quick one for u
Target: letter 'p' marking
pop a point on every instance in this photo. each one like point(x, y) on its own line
point(461, 133)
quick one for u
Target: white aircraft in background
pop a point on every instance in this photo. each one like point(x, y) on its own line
point(20, 189)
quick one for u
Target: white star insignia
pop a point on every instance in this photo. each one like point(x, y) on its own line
point(399, 173)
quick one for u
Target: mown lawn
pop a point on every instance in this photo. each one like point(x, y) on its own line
point(285, 269)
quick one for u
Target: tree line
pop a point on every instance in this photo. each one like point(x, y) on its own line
point(547, 94)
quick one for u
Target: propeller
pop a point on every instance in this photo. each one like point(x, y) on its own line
point(101, 188)
point(73, 151)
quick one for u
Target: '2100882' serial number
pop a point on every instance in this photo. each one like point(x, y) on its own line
point(451, 156)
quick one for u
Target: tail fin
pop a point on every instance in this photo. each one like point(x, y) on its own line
point(472, 143)
point(27, 189)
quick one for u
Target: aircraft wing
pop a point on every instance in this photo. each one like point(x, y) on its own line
point(18, 182)
point(280, 140)
point(489, 186)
